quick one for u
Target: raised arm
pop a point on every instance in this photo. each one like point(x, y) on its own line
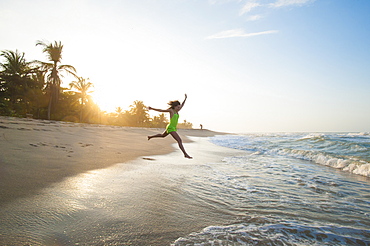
point(182, 104)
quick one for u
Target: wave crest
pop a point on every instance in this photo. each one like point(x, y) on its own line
point(275, 233)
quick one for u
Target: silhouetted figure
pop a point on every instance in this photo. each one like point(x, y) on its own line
point(175, 107)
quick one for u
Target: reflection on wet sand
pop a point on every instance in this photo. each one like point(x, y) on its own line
point(137, 203)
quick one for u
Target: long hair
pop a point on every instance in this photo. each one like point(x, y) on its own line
point(173, 104)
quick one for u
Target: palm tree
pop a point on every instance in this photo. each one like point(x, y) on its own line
point(119, 112)
point(15, 79)
point(15, 63)
point(82, 86)
point(36, 95)
point(139, 113)
point(54, 70)
point(159, 121)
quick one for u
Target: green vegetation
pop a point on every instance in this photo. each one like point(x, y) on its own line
point(33, 89)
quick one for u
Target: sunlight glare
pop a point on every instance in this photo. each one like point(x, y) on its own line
point(149, 70)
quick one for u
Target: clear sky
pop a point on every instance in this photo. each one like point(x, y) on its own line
point(246, 65)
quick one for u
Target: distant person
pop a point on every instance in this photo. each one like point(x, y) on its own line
point(201, 127)
point(175, 107)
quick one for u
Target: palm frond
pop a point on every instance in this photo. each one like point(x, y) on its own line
point(53, 51)
point(15, 64)
point(68, 69)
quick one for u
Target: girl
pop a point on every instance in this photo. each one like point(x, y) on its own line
point(175, 107)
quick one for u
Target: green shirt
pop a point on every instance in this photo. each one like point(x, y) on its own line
point(171, 127)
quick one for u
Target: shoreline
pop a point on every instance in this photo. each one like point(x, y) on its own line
point(38, 153)
point(145, 201)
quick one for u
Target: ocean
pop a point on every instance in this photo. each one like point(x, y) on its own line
point(247, 189)
point(289, 189)
point(349, 152)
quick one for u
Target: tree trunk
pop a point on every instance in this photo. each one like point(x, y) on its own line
point(49, 106)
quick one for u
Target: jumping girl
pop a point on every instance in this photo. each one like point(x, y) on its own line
point(175, 107)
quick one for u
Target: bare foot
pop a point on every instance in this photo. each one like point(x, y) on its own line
point(189, 157)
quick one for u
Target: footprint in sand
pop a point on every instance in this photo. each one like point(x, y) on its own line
point(85, 145)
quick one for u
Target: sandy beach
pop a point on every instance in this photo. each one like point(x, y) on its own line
point(78, 184)
point(36, 153)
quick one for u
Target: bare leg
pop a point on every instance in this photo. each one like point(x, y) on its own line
point(176, 136)
point(161, 135)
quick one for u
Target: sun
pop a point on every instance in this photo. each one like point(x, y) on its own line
point(107, 102)
point(143, 66)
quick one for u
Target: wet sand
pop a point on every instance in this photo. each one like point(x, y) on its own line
point(36, 153)
point(139, 202)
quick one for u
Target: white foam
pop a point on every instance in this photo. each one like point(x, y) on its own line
point(351, 165)
point(285, 232)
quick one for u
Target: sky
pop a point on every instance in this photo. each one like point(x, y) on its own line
point(246, 65)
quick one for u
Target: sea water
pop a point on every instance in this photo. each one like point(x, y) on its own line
point(288, 189)
point(251, 189)
point(346, 151)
